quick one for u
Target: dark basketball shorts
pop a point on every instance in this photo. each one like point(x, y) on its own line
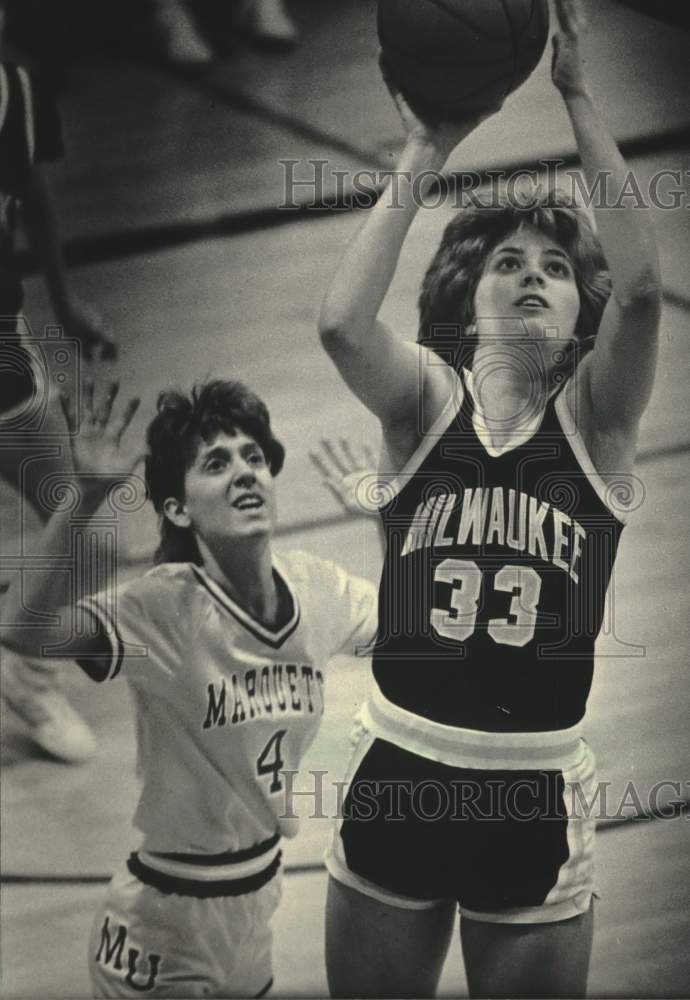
point(499, 822)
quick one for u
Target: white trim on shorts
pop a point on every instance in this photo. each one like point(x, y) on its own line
point(337, 869)
point(544, 914)
point(566, 910)
point(484, 751)
point(473, 748)
point(334, 858)
point(212, 873)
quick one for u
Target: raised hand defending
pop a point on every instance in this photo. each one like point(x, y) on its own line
point(348, 472)
point(99, 458)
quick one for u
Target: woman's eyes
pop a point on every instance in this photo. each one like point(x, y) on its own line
point(553, 267)
point(214, 465)
point(218, 464)
point(508, 263)
point(558, 267)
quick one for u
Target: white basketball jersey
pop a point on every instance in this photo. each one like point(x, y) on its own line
point(223, 704)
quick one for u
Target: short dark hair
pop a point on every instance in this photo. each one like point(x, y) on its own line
point(446, 300)
point(173, 437)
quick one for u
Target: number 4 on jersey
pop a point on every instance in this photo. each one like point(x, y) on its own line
point(270, 760)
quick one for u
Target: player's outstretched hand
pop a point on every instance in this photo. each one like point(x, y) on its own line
point(99, 458)
point(443, 135)
point(567, 66)
point(83, 323)
point(348, 472)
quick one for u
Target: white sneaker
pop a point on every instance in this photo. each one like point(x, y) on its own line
point(46, 717)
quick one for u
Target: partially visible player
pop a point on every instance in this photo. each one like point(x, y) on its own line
point(224, 645)
point(503, 456)
point(30, 140)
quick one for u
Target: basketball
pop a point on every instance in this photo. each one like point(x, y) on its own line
point(451, 58)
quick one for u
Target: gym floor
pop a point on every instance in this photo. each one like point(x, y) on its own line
point(169, 202)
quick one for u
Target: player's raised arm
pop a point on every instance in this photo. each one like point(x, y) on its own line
point(380, 368)
point(620, 371)
point(100, 462)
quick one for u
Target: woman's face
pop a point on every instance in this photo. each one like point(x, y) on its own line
point(530, 278)
point(229, 490)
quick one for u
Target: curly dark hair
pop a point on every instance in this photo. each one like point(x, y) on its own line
point(173, 438)
point(446, 300)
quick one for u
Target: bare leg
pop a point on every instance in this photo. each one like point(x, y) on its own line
point(528, 960)
point(376, 950)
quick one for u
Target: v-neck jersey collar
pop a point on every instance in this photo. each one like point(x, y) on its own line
point(482, 431)
point(271, 637)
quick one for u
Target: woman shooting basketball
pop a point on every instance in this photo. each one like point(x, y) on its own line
point(502, 526)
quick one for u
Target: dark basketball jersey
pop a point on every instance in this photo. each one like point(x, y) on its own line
point(495, 576)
